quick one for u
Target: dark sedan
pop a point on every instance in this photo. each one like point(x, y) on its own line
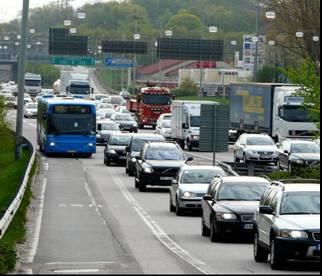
point(125, 121)
point(136, 145)
point(229, 207)
point(115, 149)
point(296, 154)
point(158, 164)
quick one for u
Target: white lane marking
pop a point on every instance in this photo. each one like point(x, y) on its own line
point(161, 235)
point(36, 237)
point(76, 271)
point(47, 166)
point(93, 202)
point(76, 205)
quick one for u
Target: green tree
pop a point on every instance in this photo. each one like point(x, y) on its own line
point(305, 75)
point(188, 88)
point(4, 134)
point(185, 24)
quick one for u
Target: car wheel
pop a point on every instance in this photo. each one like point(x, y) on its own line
point(182, 144)
point(171, 207)
point(108, 162)
point(131, 172)
point(290, 169)
point(260, 255)
point(213, 232)
point(189, 145)
point(136, 183)
point(179, 211)
point(126, 170)
point(205, 232)
point(245, 159)
point(236, 159)
point(141, 186)
point(276, 260)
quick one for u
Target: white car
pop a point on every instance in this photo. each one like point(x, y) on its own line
point(164, 129)
point(105, 106)
point(257, 148)
point(106, 100)
point(100, 114)
point(31, 110)
point(98, 97)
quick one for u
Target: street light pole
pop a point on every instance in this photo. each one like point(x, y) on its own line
point(257, 42)
point(21, 78)
point(201, 63)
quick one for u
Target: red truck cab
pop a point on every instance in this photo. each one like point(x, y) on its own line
point(150, 103)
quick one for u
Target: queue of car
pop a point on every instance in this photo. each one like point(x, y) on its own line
point(283, 219)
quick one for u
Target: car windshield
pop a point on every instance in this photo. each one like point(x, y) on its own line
point(201, 176)
point(166, 124)
point(164, 154)
point(195, 121)
point(107, 126)
point(138, 143)
point(124, 117)
point(156, 99)
point(297, 114)
point(32, 106)
point(241, 191)
point(100, 97)
point(305, 148)
point(116, 100)
point(120, 141)
point(301, 203)
point(260, 141)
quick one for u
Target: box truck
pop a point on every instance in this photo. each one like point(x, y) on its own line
point(185, 123)
point(275, 109)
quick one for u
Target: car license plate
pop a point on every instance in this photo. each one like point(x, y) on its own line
point(166, 178)
point(122, 157)
point(265, 157)
point(249, 226)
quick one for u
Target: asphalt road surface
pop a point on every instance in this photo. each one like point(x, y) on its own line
point(86, 218)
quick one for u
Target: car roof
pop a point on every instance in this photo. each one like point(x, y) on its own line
point(162, 144)
point(146, 135)
point(122, 134)
point(106, 122)
point(302, 187)
point(197, 168)
point(300, 142)
point(256, 135)
point(244, 179)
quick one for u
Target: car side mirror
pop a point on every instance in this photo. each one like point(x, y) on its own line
point(128, 149)
point(174, 182)
point(208, 198)
point(184, 126)
point(139, 158)
point(44, 116)
point(278, 145)
point(286, 152)
point(189, 159)
point(266, 210)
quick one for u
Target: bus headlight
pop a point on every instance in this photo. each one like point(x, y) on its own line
point(52, 144)
point(91, 144)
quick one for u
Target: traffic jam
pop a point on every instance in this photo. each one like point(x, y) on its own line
point(281, 218)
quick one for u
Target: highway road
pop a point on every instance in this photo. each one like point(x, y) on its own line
point(87, 218)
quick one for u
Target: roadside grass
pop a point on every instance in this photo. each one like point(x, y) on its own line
point(212, 99)
point(10, 175)
point(112, 78)
point(306, 173)
point(11, 172)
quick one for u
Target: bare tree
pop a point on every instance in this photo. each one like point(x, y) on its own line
point(294, 16)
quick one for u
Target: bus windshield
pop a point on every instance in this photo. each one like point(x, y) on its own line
point(157, 99)
point(83, 124)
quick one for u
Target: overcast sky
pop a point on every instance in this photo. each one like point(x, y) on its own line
point(9, 9)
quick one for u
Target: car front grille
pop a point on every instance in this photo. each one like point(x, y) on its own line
point(317, 236)
point(166, 171)
point(247, 218)
point(265, 153)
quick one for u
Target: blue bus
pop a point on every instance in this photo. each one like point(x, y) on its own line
point(66, 126)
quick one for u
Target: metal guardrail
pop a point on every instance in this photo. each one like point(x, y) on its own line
point(251, 169)
point(13, 208)
point(227, 168)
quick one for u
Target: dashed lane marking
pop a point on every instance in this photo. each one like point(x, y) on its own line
point(161, 235)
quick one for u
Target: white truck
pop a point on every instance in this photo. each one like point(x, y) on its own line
point(75, 84)
point(275, 109)
point(185, 123)
point(32, 84)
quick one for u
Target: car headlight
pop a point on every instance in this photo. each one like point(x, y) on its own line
point(195, 137)
point(112, 151)
point(226, 216)
point(189, 195)
point(148, 170)
point(98, 135)
point(252, 152)
point(293, 234)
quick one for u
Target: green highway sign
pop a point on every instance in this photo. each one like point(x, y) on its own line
point(73, 61)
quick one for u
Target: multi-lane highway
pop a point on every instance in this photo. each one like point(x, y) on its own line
point(87, 218)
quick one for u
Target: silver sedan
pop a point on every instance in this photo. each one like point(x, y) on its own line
point(191, 185)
